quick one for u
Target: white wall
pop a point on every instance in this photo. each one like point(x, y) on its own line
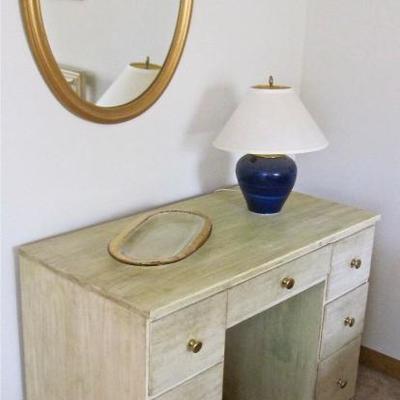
point(61, 172)
point(352, 86)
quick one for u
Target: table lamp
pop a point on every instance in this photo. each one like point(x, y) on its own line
point(132, 82)
point(270, 123)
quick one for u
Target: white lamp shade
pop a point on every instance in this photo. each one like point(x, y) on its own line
point(130, 84)
point(271, 121)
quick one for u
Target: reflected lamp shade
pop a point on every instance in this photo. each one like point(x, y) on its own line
point(270, 123)
point(133, 81)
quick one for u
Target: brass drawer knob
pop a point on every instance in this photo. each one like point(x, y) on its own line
point(194, 345)
point(342, 383)
point(288, 283)
point(350, 322)
point(356, 263)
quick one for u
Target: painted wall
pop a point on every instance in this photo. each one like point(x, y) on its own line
point(61, 173)
point(351, 85)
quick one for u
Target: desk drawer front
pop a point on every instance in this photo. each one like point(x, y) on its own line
point(337, 375)
point(266, 290)
point(351, 263)
point(344, 320)
point(207, 385)
point(172, 360)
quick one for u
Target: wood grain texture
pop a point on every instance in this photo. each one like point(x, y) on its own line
point(206, 386)
point(335, 333)
point(344, 278)
point(274, 355)
point(341, 365)
point(242, 245)
point(264, 291)
point(170, 360)
point(78, 345)
point(380, 362)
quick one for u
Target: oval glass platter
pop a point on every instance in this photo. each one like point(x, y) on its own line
point(162, 238)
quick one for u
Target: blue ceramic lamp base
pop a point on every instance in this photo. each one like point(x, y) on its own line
point(266, 181)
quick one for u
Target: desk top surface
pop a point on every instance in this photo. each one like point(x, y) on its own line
point(241, 245)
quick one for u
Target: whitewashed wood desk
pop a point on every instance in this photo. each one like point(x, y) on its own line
point(269, 308)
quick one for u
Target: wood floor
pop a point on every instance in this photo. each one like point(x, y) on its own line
point(373, 385)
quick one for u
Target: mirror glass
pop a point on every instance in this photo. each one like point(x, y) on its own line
point(110, 51)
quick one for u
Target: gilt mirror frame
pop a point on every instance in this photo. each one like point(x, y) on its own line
point(53, 76)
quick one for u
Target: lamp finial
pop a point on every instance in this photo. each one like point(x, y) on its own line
point(271, 81)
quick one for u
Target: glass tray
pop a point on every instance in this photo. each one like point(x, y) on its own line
point(162, 238)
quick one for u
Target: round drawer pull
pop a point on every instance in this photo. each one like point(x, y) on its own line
point(342, 383)
point(350, 322)
point(194, 345)
point(288, 283)
point(356, 263)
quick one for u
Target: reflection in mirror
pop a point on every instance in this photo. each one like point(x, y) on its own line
point(116, 48)
point(76, 80)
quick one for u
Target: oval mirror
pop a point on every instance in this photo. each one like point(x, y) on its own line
point(107, 60)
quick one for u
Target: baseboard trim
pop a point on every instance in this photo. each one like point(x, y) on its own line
point(380, 362)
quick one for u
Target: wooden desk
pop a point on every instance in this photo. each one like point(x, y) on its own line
point(96, 329)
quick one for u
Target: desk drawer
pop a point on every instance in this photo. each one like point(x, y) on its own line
point(207, 385)
point(337, 375)
point(344, 320)
point(351, 263)
point(266, 290)
point(171, 358)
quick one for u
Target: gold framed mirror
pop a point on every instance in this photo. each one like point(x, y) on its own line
point(148, 77)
